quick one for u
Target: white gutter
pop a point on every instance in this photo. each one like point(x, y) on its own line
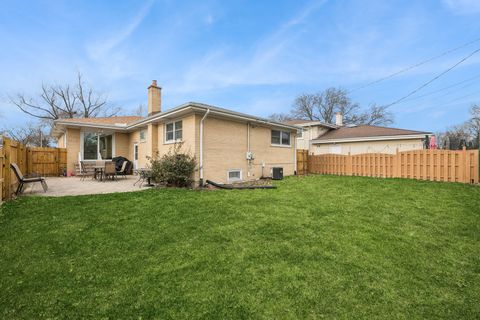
point(201, 145)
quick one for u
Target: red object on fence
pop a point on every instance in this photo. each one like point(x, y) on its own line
point(433, 143)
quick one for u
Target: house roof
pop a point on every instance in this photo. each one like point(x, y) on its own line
point(367, 131)
point(309, 123)
point(105, 120)
point(130, 123)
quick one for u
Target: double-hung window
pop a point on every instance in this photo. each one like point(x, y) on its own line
point(280, 138)
point(173, 131)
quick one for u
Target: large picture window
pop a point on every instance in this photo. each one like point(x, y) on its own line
point(173, 131)
point(281, 138)
point(97, 146)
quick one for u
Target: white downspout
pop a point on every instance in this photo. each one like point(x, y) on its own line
point(295, 153)
point(201, 146)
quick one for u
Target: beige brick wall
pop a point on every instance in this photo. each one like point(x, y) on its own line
point(388, 146)
point(134, 137)
point(225, 147)
point(73, 148)
point(121, 145)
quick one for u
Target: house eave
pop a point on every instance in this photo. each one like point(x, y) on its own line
point(375, 138)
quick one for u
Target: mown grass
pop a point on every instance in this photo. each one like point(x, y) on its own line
point(316, 247)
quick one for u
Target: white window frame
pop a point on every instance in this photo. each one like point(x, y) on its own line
point(82, 137)
point(299, 134)
point(144, 135)
point(289, 145)
point(174, 130)
point(234, 179)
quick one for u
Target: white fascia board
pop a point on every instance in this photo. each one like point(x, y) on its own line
point(377, 138)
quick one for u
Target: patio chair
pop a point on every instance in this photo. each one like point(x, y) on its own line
point(22, 180)
point(110, 171)
point(123, 170)
point(85, 171)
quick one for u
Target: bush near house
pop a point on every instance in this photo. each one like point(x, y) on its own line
point(331, 247)
point(174, 168)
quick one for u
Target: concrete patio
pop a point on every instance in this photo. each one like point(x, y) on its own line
point(73, 186)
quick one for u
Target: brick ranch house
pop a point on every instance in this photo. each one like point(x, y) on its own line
point(228, 146)
point(325, 138)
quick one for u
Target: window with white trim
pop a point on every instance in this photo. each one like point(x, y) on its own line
point(173, 131)
point(234, 175)
point(281, 138)
point(97, 146)
point(300, 134)
point(142, 135)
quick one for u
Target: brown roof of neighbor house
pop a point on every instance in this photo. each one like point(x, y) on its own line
point(366, 131)
point(105, 120)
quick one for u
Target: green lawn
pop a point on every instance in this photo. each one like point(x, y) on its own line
point(316, 247)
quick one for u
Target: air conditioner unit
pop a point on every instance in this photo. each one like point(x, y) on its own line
point(277, 173)
point(250, 155)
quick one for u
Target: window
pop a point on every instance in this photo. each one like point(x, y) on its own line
point(280, 138)
point(97, 144)
point(235, 175)
point(300, 134)
point(173, 131)
point(336, 149)
point(142, 135)
point(90, 143)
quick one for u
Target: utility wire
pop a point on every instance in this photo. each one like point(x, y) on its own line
point(416, 65)
point(433, 79)
point(443, 89)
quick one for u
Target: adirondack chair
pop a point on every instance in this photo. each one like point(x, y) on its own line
point(22, 180)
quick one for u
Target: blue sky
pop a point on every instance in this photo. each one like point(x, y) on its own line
point(249, 56)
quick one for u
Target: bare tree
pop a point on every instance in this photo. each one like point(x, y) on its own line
point(32, 135)
point(474, 123)
point(466, 134)
point(322, 106)
point(280, 117)
point(65, 101)
point(141, 111)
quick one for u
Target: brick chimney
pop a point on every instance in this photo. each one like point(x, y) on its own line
point(154, 98)
point(339, 119)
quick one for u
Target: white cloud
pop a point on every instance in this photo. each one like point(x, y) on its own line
point(463, 6)
point(223, 67)
point(104, 47)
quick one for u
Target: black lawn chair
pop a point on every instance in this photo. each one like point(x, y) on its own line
point(22, 180)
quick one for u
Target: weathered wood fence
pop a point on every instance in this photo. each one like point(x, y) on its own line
point(435, 165)
point(41, 161)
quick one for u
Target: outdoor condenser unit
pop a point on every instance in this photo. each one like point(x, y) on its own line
point(277, 173)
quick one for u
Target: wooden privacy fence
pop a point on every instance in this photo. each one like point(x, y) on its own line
point(302, 161)
point(435, 165)
point(40, 161)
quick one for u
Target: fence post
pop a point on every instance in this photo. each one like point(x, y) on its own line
point(463, 162)
point(396, 164)
point(6, 172)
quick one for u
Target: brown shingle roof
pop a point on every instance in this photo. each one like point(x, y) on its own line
point(362, 131)
point(106, 120)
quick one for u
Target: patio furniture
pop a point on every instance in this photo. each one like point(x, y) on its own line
point(109, 171)
point(123, 170)
point(86, 170)
point(22, 180)
point(144, 174)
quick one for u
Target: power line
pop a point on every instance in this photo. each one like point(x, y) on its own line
point(445, 88)
point(416, 65)
point(433, 79)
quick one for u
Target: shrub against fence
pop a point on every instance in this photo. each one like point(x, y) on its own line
point(41, 161)
point(435, 165)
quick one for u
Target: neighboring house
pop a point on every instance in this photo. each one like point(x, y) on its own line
point(228, 146)
point(323, 138)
